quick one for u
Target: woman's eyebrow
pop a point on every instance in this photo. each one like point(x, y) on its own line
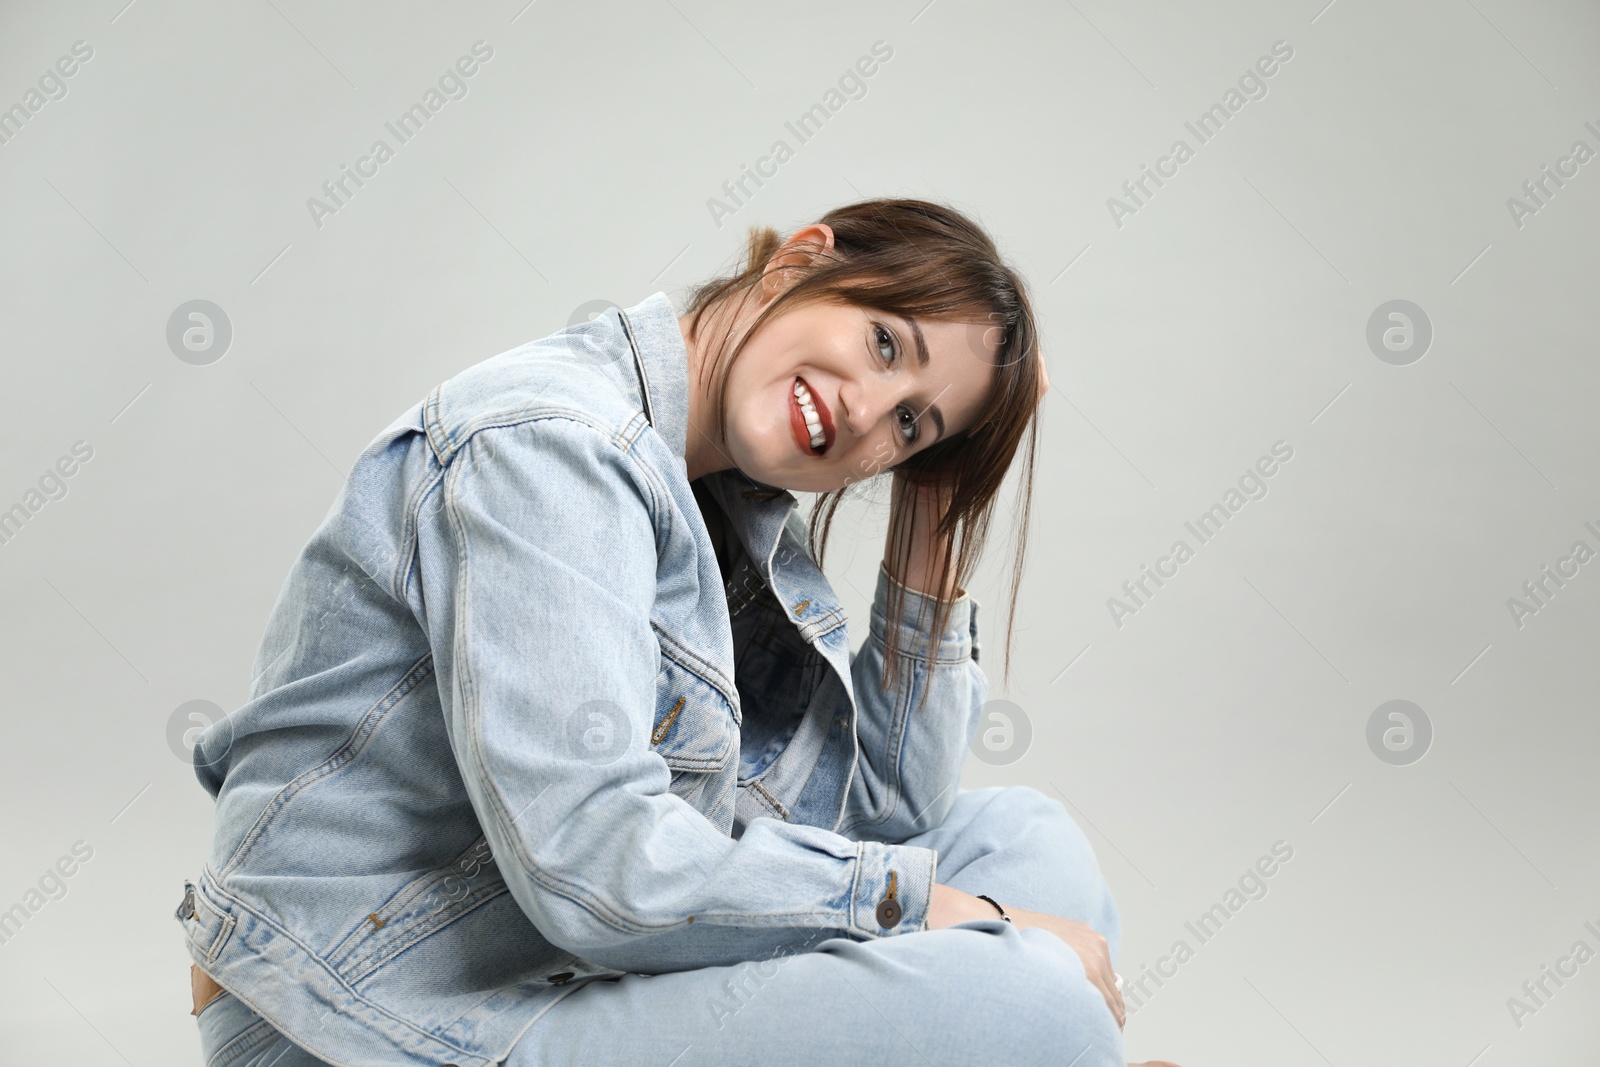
point(922, 345)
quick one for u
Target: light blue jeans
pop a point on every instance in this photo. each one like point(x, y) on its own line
point(980, 992)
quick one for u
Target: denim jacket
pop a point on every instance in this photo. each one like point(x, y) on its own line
point(512, 729)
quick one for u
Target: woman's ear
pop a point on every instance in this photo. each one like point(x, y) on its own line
point(801, 247)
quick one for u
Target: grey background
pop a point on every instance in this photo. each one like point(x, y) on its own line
point(1228, 313)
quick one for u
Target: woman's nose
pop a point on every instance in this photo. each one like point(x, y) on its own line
point(865, 405)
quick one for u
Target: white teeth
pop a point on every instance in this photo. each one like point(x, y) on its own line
point(809, 410)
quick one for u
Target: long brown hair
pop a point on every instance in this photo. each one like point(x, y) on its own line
point(915, 258)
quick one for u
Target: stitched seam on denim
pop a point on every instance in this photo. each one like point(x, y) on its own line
point(445, 447)
point(722, 718)
point(942, 661)
point(623, 439)
point(902, 705)
point(502, 420)
point(697, 665)
point(390, 1018)
point(766, 797)
point(346, 753)
point(631, 431)
point(638, 362)
point(879, 634)
point(647, 478)
point(241, 1044)
point(406, 547)
point(438, 440)
point(815, 629)
point(397, 902)
point(412, 571)
point(409, 526)
point(223, 933)
point(897, 743)
point(390, 949)
point(697, 764)
point(855, 889)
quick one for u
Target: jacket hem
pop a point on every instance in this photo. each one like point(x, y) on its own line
point(284, 982)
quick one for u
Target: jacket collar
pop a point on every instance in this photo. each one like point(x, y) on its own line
point(660, 372)
point(763, 516)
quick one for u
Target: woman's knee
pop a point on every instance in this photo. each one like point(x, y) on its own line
point(1067, 879)
point(1013, 996)
point(1022, 805)
point(1001, 811)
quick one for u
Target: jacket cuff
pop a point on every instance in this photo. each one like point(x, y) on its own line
point(913, 868)
point(957, 643)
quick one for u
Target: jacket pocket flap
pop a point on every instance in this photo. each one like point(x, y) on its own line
point(696, 723)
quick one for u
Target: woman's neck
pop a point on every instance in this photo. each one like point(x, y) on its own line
point(704, 451)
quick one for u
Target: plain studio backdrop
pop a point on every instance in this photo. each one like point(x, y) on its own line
point(1371, 270)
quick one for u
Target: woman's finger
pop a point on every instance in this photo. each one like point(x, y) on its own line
point(1108, 989)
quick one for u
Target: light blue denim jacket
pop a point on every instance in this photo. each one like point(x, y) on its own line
point(512, 730)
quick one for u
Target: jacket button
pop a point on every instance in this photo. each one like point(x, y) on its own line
point(888, 911)
point(560, 979)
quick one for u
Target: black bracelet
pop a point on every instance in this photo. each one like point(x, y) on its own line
point(997, 906)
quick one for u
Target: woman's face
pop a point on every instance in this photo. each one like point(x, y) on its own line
point(879, 387)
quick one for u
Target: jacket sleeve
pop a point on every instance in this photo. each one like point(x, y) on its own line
point(540, 575)
point(910, 757)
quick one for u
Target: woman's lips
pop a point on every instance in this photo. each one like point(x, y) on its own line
point(797, 421)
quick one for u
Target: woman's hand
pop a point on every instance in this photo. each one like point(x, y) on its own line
point(1088, 943)
point(950, 905)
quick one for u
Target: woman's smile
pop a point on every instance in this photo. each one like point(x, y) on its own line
point(813, 429)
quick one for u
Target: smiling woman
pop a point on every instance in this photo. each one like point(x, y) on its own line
point(557, 724)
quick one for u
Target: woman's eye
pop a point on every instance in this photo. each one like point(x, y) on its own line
point(912, 425)
point(910, 429)
point(885, 339)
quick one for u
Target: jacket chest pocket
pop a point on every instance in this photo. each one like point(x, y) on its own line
point(696, 723)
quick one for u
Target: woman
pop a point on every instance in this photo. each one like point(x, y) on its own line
point(557, 751)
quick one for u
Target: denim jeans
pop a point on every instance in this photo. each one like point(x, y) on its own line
point(979, 992)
